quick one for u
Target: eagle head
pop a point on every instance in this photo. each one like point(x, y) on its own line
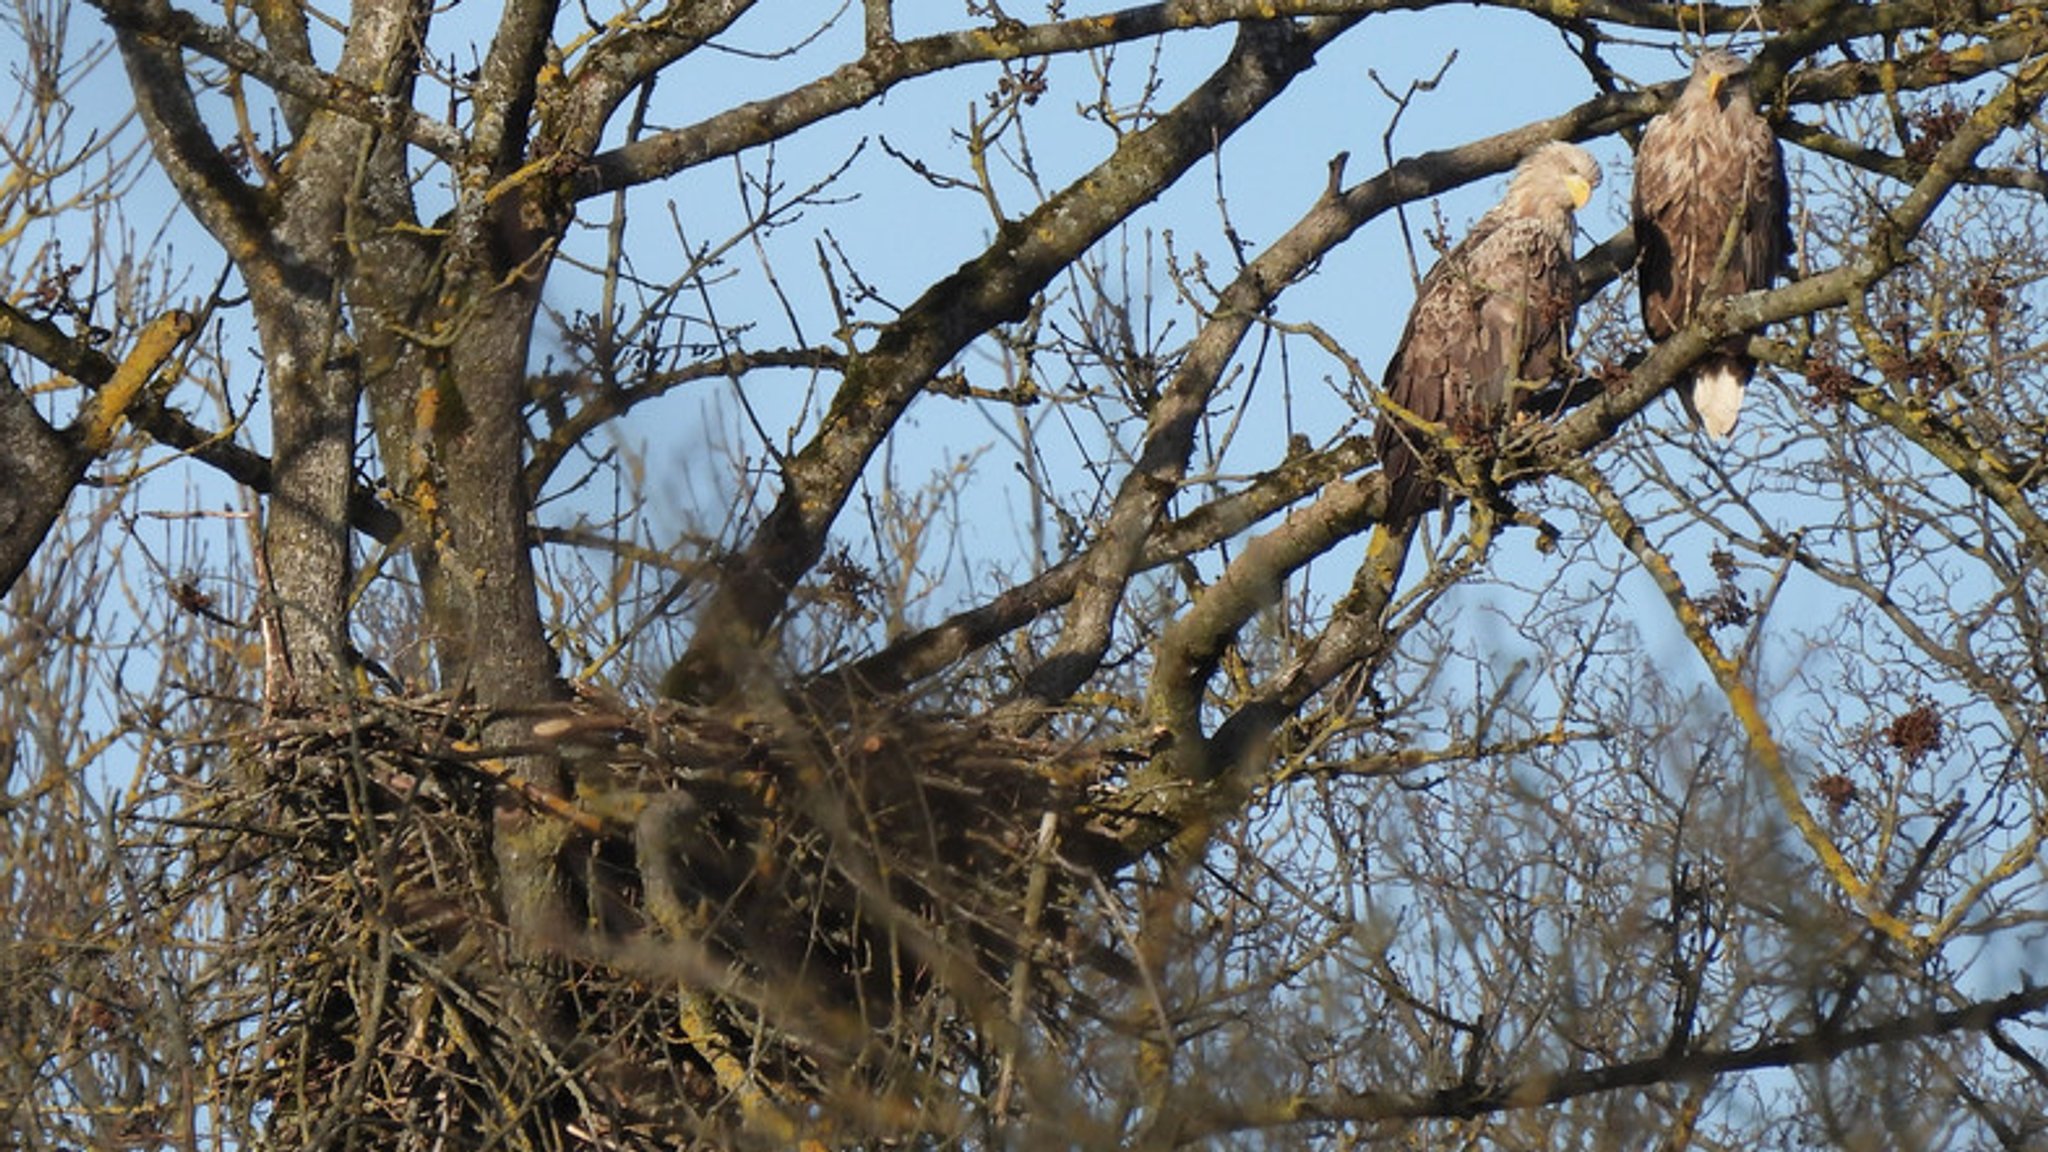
point(1558, 175)
point(1719, 71)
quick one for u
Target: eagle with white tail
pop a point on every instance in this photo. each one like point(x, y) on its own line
point(1710, 221)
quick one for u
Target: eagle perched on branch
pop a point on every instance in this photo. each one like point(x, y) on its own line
point(1490, 322)
point(1710, 221)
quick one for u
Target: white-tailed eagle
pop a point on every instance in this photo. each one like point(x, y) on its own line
point(1490, 323)
point(1710, 221)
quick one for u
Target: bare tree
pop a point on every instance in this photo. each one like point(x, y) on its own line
point(590, 613)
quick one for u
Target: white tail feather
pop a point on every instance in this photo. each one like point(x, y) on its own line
point(1714, 398)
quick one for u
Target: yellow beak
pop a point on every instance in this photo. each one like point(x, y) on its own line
point(1580, 190)
point(1715, 82)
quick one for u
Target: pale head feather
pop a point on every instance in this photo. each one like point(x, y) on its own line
point(1557, 175)
point(1715, 72)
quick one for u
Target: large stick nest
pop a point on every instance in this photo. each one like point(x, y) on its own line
point(645, 929)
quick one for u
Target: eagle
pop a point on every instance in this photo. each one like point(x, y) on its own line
point(1710, 221)
point(1490, 322)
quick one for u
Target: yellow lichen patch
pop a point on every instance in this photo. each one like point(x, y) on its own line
point(426, 498)
point(154, 346)
point(427, 409)
point(537, 166)
point(993, 44)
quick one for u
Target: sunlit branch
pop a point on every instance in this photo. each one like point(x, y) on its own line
point(1732, 679)
point(1403, 761)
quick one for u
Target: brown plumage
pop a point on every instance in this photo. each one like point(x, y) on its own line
point(1710, 221)
point(1491, 320)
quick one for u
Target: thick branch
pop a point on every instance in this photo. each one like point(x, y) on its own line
point(188, 154)
point(574, 113)
point(38, 470)
point(288, 69)
point(39, 466)
point(508, 82)
point(283, 23)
